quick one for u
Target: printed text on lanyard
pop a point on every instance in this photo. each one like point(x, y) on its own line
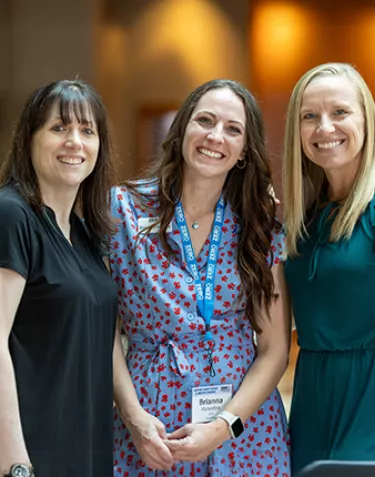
point(204, 293)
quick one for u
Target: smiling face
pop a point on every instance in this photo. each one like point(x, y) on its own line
point(63, 155)
point(214, 138)
point(333, 124)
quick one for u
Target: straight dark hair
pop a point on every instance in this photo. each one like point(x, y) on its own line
point(74, 98)
point(247, 190)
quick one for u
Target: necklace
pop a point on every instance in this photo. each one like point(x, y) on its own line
point(195, 225)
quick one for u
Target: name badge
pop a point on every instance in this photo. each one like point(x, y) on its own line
point(145, 222)
point(209, 401)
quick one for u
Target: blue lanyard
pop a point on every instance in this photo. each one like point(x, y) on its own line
point(205, 294)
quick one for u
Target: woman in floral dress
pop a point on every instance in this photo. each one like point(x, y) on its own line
point(196, 259)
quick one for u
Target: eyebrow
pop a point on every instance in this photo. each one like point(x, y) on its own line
point(213, 114)
point(306, 110)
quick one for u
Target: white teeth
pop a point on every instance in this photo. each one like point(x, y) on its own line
point(207, 152)
point(70, 160)
point(328, 145)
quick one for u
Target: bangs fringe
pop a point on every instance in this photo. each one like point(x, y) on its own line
point(73, 104)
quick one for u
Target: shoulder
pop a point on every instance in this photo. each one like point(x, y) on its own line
point(370, 210)
point(10, 195)
point(232, 220)
point(146, 187)
point(278, 243)
point(17, 220)
point(141, 195)
point(131, 189)
point(13, 207)
point(278, 231)
point(118, 195)
point(367, 219)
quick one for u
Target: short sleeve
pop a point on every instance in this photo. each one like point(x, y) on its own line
point(119, 202)
point(123, 209)
point(125, 220)
point(15, 243)
point(278, 245)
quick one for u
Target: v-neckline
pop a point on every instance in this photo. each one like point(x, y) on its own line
point(51, 218)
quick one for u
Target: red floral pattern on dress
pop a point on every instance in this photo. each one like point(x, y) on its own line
point(166, 357)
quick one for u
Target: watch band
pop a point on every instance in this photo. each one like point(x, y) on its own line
point(235, 424)
point(20, 470)
point(227, 416)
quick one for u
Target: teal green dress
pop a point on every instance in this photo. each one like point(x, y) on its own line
point(332, 288)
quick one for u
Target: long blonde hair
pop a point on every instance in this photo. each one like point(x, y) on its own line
point(304, 180)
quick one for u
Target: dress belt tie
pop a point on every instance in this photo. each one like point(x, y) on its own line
point(166, 353)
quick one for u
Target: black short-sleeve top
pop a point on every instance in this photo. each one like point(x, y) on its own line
point(61, 341)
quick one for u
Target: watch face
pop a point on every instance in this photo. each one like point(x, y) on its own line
point(20, 470)
point(237, 427)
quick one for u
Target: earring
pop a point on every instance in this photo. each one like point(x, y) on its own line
point(241, 163)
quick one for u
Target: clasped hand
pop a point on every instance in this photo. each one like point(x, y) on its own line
point(195, 442)
point(149, 436)
point(192, 442)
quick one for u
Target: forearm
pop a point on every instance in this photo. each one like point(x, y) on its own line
point(272, 353)
point(259, 382)
point(12, 444)
point(125, 395)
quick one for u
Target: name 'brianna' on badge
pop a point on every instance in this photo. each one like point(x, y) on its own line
point(209, 401)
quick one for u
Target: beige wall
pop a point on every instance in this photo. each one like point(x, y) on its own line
point(41, 41)
point(154, 52)
point(137, 53)
point(5, 72)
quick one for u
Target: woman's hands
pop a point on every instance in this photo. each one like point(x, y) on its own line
point(149, 436)
point(195, 442)
point(147, 431)
point(192, 442)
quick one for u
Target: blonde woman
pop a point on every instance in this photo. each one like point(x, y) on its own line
point(330, 269)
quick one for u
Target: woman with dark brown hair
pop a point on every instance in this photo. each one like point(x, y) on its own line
point(58, 303)
point(196, 260)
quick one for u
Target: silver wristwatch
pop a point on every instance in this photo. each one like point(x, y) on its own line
point(235, 424)
point(20, 470)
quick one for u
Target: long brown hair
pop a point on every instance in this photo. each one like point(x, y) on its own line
point(74, 97)
point(246, 190)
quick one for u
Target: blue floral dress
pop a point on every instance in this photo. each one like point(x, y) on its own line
point(166, 357)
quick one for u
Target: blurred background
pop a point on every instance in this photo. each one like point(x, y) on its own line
point(145, 56)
